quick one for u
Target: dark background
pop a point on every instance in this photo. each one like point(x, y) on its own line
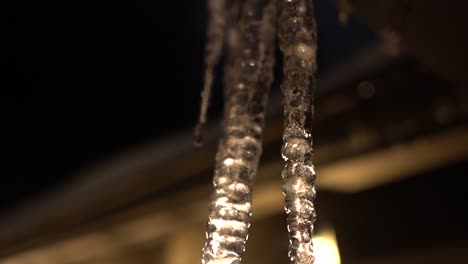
point(83, 81)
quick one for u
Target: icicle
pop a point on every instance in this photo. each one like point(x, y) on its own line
point(214, 46)
point(247, 83)
point(297, 35)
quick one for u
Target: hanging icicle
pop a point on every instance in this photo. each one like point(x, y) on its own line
point(250, 30)
point(297, 36)
point(214, 47)
point(248, 78)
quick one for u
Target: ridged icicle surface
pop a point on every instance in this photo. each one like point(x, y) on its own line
point(297, 36)
point(248, 76)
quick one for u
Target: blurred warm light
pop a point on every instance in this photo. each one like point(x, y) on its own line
point(326, 248)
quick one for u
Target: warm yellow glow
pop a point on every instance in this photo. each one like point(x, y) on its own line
point(326, 248)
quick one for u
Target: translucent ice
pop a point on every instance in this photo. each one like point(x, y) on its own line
point(248, 76)
point(248, 29)
point(297, 36)
point(214, 46)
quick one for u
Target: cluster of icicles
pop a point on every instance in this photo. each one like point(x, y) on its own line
point(247, 31)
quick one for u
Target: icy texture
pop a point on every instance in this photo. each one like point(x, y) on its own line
point(214, 46)
point(248, 78)
point(297, 35)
